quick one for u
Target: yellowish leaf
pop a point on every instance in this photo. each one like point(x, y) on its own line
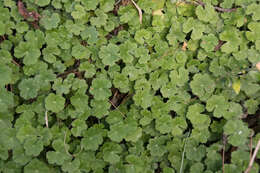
point(181, 3)
point(236, 86)
point(158, 12)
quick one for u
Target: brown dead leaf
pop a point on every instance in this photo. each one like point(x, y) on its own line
point(220, 43)
point(22, 10)
point(26, 14)
point(184, 46)
point(258, 66)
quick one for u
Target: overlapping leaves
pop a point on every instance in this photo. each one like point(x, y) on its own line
point(88, 88)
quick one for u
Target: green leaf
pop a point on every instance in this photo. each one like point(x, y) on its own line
point(28, 88)
point(121, 82)
point(229, 168)
point(249, 88)
point(231, 35)
point(207, 14)
point(142, 35)
point(36, 165)
point(197, 167)
point(63, 86)
point(54, 103)
point(253, 35)
point(217, 103)
point(114, 117)
point(100, 88)
point(50, 53)
point(89, 69)
point(94, 163)
point(6, 74)
point(253, 9)
point(164, 124)
point(127, 50)
point(111, 152)
point(33, 146)
point(176, 32)
point(240, 158)
point(179, 77)
point(106, 5)
point(203, 86)
point(194, 151)
point(90, 34)
point(143, 98)
point(50, 20)
point(198, 120)
point(179, 125)
point(148, 6)
point(100, 19)
point(127, 130)
point(90, 4)
point(36, 38)
point(168, 170)
point(195, 26)
point(42, 3)
point(56, 4)
point(28, 51)
point(71, 166)
point(25, 132)
point(74, 27)
point(78, 126)
point(93, 137)
point(117, 132)
point(157, 146)
point(56, 157)
point(79, 12)
point(99, 108)
point(80, 102)
point(209, 42)
point(237, 132)
point(22, 27)
point(80, 52)
point(143, 54)
point(59, 156)
point(252, 106)
point(128, 14)
point(109, 54)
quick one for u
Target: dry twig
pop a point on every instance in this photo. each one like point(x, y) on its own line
point(220, 43)
point(65, 145)
point(223, 152)
point(219, 9)
point(183, 153)
point(14, 62)
point(253, 157)
point(251, 144)
point(46, 119)
point(116, 108)
point(139, 11)
point(66, 150)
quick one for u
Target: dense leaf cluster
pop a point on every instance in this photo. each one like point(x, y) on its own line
point(85, 87)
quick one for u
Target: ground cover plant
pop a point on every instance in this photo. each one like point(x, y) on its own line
point(145, 86)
